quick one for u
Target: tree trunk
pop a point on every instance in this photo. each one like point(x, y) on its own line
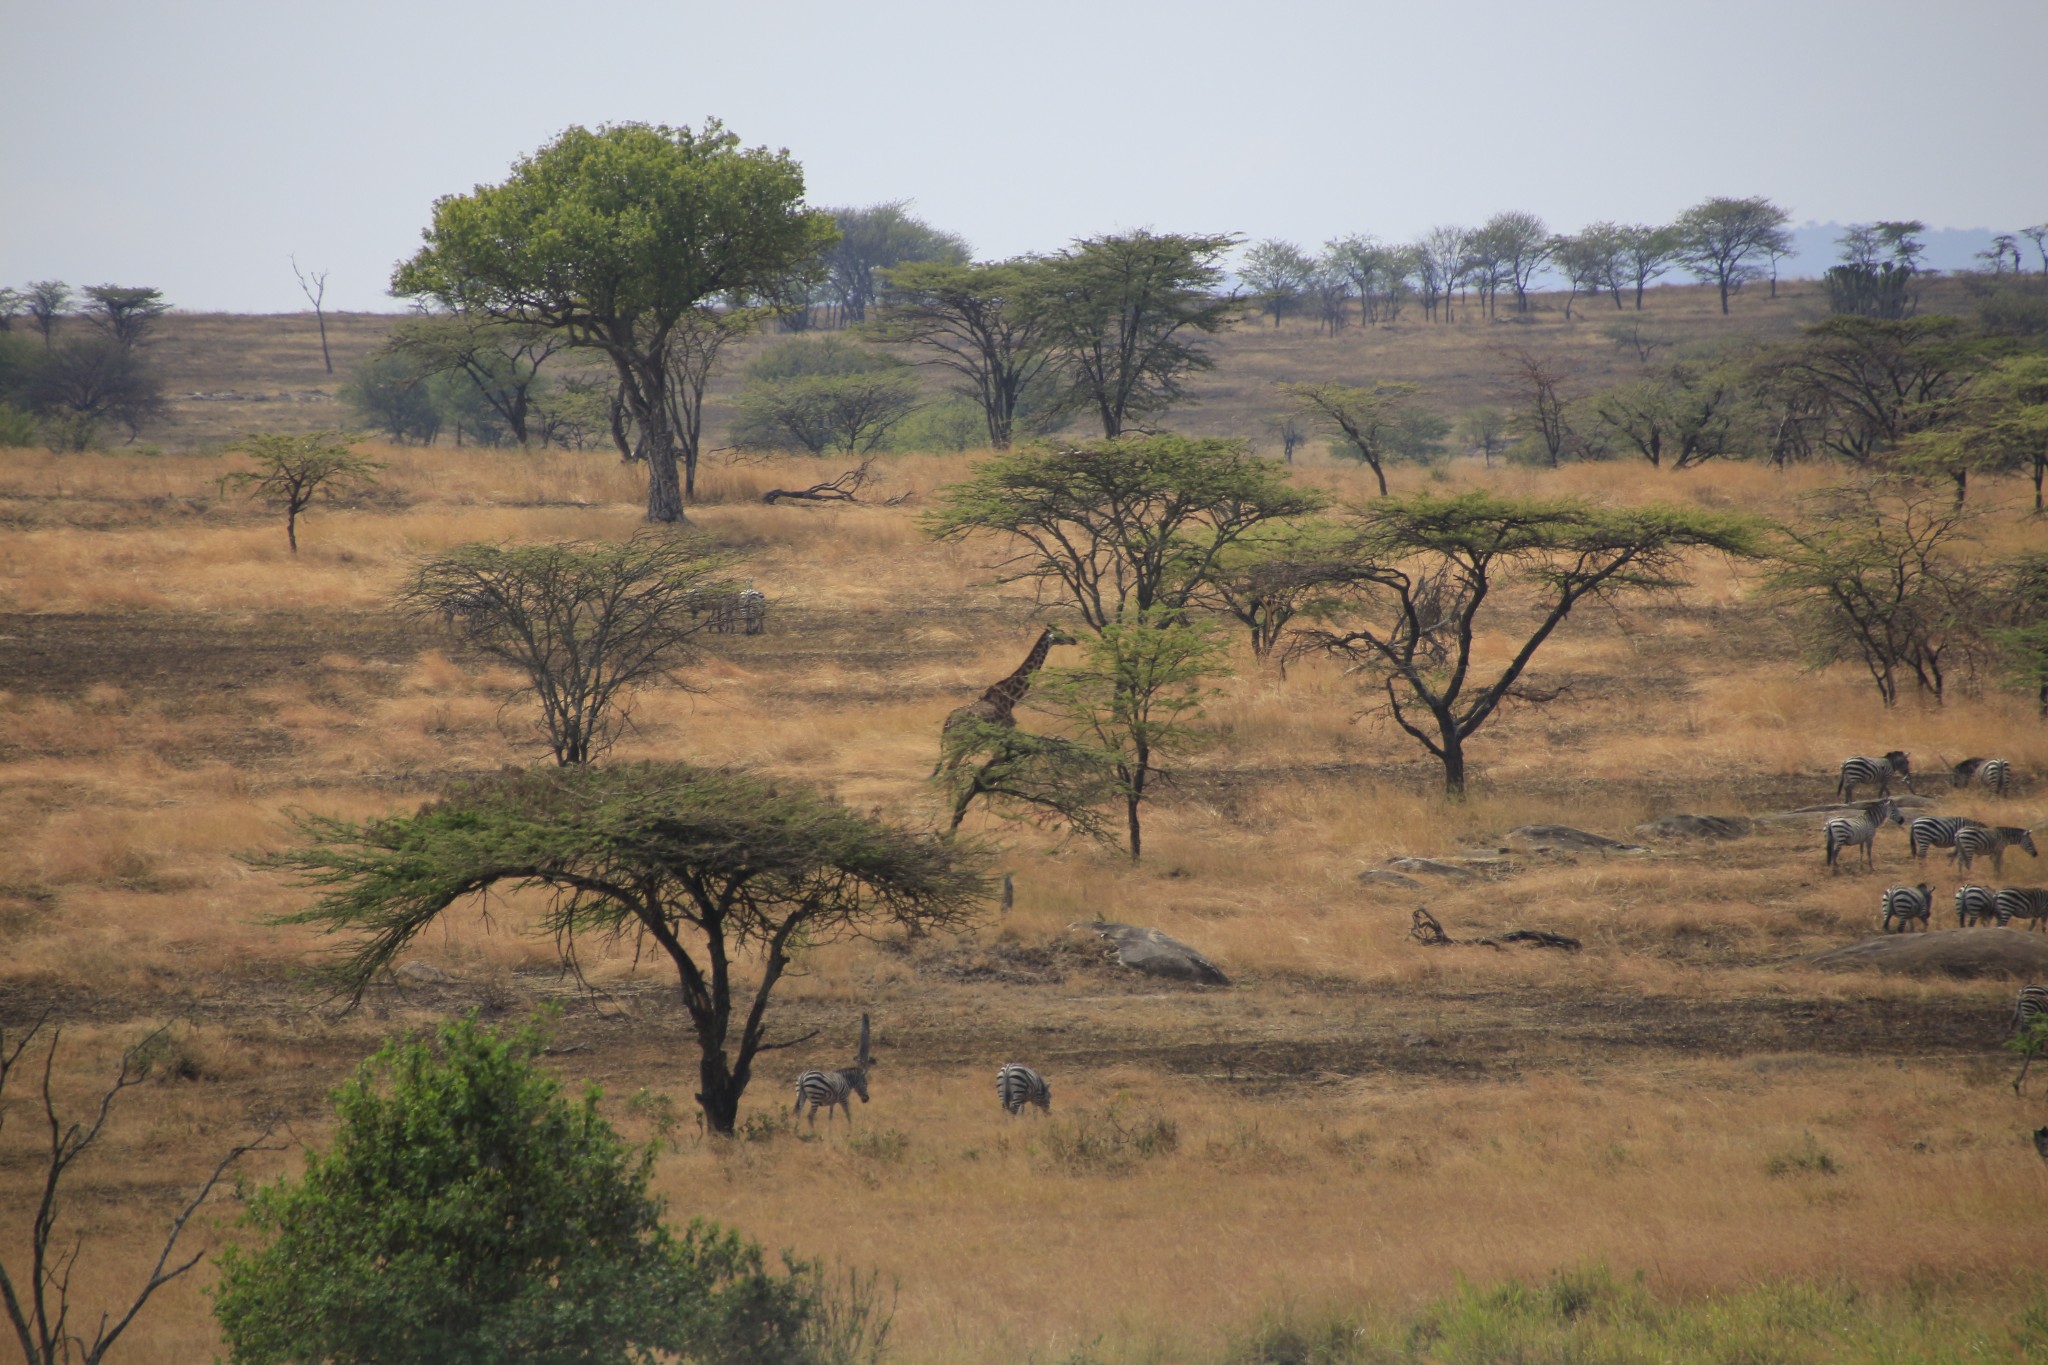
point(329, 359)
point(719, 1096)
point(1454, 763)
point(1724, 294)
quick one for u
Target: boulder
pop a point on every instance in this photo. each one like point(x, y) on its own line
point(1553, 838)
point(1950, 952)
point(1379, 876)
point(1155, 954)
point(1697, 827)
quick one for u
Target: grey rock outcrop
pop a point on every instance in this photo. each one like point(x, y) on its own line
point(1155, 954)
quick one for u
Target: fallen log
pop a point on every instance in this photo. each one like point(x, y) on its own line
point(1423, 928)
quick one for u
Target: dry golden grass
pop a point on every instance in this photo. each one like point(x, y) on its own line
point(1360, 1119)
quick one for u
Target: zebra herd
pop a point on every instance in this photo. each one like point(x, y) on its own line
point(1966, 839)
point(1017, 1086)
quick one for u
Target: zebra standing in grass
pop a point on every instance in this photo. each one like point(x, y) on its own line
point(753, 611)
point(1857, 771)
point(1976, 905)
point(829, 1090)
point(1935, 831)
point(1018, 1085)
point(1906, 904)
point(2023, 902)
point(1975, 840)
point(2033, 1004)
point(1992, 772)
point(1860, 830)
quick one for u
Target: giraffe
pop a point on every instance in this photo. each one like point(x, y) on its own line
point(995, 706)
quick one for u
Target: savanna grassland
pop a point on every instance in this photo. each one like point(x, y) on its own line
point(1358, 1125)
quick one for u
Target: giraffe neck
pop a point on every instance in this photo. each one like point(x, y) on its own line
point(1010, 690)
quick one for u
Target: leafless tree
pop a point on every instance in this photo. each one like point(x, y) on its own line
point(37, 1295)
point(313, 284)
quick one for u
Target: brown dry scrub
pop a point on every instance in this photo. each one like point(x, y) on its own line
point(1360, 1117)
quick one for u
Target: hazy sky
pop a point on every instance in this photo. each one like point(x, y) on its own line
point(197, 147)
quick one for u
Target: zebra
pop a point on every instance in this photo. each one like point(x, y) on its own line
point(1936, 831)
point(1976, 905)
point(1906, 904)
point(2022, 902)
point(1018, 1085)
point(1857, 771)
point(1860, 830)
point(2032, 1004)
point(753, 611)
point(828, 1090)
point(1992, 772)
point(1972, 840)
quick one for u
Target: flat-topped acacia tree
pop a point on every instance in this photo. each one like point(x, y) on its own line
point(727, 873)
point(1423, 569)
point(611, 238)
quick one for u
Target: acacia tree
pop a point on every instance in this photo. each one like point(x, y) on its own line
point(974, 321)
point(469, 1213)
point(874, 240)
point(1719, 239)
point(293, 471)
point(1279, 275)
point(1872, 382)
point(1874, 574)
point(1524, 244)
point(45, 300)
point(612, 238)
point(37, 1293)
point(1648, 253)
point(728, 875)
point(90, 380)
point(1372, 424)
point(587, 623)
point(1427, 567)
point(1135, 695)
point(127, 313)
point(1120, 527)
point(1123, 317)
point(501, 362)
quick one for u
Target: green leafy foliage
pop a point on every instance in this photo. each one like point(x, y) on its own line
point(292, 471)
point(467, 1211)
point(610, 239)
point(1123, 526)
point(727, 873)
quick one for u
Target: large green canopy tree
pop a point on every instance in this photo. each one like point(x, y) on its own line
point(727, 874)
point(612, 237)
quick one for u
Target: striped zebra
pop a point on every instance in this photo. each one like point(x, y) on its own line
point(2033, 1004)
point(1859, 770)
point(1977, 840)
point(753, 611)
point(829, 1090)
point(1860, 830)
point(1992, 772)
point(2023, 902)
point(1936, 831)
point(1018, 1085)
point(1976, 905)
point(1906, 904)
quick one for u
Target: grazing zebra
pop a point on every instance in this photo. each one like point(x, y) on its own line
point(2023, 902)
point(829, 1090)
point(2033, 1004)
point(1976, 905)
point(1992, 772)
point(753, 611)
point(1972, 840)
point(1018, 1085)
point(1857, 771)
point(1936, 831)
point(1906, 904)
point(1861, 830)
